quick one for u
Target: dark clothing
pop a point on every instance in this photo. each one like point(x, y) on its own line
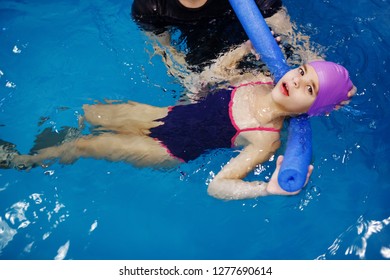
point(172, 12)
point(207, 31)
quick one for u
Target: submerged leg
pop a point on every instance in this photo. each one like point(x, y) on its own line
point(124, 118)
point(141, 151)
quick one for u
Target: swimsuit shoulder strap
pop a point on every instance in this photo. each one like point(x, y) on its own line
point(261, 128)
point(254, 83)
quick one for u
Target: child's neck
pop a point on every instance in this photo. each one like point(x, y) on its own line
point(268, 112)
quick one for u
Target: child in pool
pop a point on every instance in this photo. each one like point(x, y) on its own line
point(249, 115)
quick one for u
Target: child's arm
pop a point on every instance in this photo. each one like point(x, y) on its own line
point(303, 49)
point(228, 183)
point(280, 23)
point(224, 68)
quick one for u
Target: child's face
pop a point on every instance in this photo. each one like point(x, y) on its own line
point(297, 89)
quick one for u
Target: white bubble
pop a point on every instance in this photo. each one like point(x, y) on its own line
point(16, 50)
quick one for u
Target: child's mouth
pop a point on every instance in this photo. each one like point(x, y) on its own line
point(285, 89)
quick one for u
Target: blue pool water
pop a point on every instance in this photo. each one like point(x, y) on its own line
point(57, 55)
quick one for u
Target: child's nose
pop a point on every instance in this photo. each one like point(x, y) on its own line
point(296, 81)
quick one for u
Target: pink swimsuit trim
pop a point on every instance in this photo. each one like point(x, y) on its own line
point(168, 151)
point(271, 129)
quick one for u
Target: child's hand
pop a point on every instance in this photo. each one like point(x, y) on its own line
point(351, 93)
point(278, 39)
point(249, 49)
point(273, 185)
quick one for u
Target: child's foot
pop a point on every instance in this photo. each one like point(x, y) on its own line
point(7, 154)
point(49, 138)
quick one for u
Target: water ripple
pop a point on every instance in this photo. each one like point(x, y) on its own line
point(357, 239)
point(62, 251)
point(6, 234)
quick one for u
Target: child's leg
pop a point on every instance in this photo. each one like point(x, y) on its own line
point(106, 114)
point(124, 118)
point(138, 150)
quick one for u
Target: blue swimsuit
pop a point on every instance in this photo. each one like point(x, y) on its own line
point(190, 130)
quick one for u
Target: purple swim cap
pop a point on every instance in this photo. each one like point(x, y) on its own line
point(334, 84)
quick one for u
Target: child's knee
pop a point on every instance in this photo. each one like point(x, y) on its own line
point(93, 114)
point(86, 107)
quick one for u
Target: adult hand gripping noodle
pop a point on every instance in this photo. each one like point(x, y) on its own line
point(294, 168)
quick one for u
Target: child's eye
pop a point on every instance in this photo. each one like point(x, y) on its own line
point(301, 72)
point(310, 90)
